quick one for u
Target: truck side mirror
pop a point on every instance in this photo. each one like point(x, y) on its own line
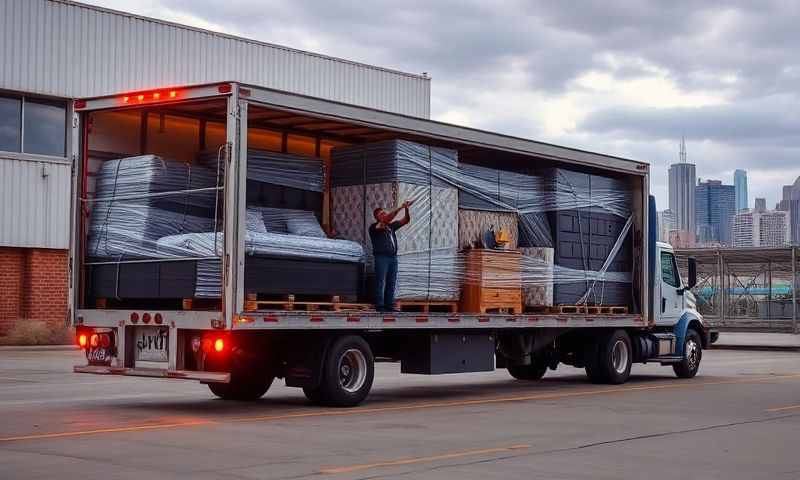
point(692, 273)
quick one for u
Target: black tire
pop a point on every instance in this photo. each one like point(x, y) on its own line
point(591, 358)
point(534, 371)
point(692, 355)
point(611, 359)
point(347, 373)
point(242, 388)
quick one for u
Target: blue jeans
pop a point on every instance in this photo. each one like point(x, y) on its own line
point(385, 281)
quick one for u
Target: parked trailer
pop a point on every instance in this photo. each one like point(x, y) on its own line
point(238, 349)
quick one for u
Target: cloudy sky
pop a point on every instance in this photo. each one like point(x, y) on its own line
point(620, 77)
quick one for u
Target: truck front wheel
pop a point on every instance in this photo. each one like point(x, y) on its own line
point(609, 358)
point(692, 354)
point(347, 373)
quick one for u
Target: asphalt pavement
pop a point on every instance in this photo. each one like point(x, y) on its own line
point(739, 419)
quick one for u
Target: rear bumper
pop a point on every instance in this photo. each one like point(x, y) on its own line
point(207, 377)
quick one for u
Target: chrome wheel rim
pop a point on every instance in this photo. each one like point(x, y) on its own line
point(619, 356)
point(692, 354)
point(352, 370)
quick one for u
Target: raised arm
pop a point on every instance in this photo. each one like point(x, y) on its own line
point(406, 212)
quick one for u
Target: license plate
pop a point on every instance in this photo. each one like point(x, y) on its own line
point(152, 344)
point(98, 356)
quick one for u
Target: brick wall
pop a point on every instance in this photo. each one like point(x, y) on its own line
point(33, 285)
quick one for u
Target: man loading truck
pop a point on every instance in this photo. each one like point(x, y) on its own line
point(384, 250)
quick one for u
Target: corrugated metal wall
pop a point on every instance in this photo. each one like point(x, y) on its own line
point(34, 203)
point(72, 50)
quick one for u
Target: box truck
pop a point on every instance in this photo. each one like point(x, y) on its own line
point(220, 233)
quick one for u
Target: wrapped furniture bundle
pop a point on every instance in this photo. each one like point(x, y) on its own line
point(287, 251)
point(385, 174)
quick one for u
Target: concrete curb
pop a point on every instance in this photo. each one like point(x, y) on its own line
point(757, 348)
point(38, 348)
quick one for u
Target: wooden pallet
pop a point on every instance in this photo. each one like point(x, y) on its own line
point(427, 306)
point(289, 303)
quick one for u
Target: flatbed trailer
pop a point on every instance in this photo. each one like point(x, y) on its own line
point(238, 351)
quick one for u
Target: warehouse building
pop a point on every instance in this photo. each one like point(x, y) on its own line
point(52, 51)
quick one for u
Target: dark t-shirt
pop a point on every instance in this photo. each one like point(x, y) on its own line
point(384, 240)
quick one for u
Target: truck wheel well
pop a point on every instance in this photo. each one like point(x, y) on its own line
point(698, 327)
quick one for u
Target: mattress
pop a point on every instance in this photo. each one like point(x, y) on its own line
point(393, 161)
point(150, 174)
point(536, 267)
point(128, 231)
point(287, 169)
point(262, 244)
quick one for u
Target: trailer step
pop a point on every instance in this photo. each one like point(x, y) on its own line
point(427, 306)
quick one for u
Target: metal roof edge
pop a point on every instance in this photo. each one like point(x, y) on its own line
point(238, 38)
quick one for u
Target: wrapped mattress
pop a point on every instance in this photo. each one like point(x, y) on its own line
point(153, 175)
point(286, 169)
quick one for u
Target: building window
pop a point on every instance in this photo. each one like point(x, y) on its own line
point(10, 123)
point(30, 125)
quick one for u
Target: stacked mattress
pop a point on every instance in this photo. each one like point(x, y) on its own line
point(385, 174)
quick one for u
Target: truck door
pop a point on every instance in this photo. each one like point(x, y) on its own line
point(671, 296)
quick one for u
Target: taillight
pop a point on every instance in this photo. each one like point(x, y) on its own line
point(158, 319)
point(134, 317)
point(94, 340)
point(82, 340)
point(218, 345)
point(146, 318)
point(105, 340)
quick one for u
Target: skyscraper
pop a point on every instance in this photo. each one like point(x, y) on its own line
point(791, 203)
point(740, 183)
point(761, 204)
point(666, 224)
point(715, 206)
point(682, 180)
point(761, 228)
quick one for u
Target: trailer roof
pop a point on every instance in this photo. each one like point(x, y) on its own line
point(370, 124)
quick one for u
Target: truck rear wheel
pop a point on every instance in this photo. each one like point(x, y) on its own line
point(692, 354)
point(242, 387)
point(609, 359)
point(347, 373)
point(534, 371)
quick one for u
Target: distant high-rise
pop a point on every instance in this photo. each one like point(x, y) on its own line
point(715, 206)
point(666, 224)
point(682, 180)
point(791, 203)
point(761, 204)
point(740, 183)
point(761, 228)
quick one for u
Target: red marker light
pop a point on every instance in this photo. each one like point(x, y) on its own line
point(126, 99)
point(156, 96)
point(226, 88)
point(146, 318)
point(140, 97)
point(105, 340)
point(80, 104)
point(173, 94)
point(134, 317)
point(158, 319)
point(82, 340)
point(219, 345)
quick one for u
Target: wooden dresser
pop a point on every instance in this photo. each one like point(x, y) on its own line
point(492, 281)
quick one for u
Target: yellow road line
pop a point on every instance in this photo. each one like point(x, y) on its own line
point(315, 413)
point(135, 428)
point(781, 409)
point(413, 460)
